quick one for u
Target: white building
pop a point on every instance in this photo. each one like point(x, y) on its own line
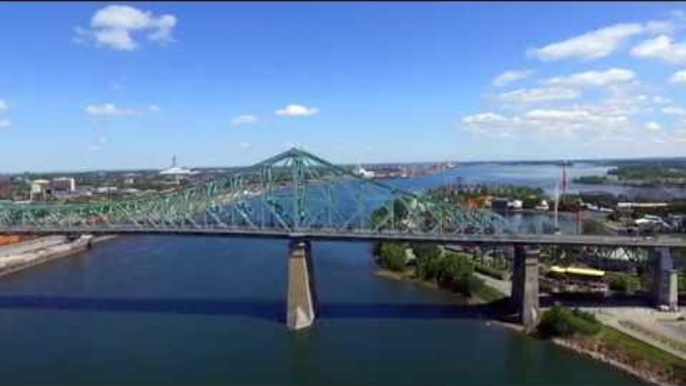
point(63, 184)
point(362, 172)
point(628, 205)
point(515, 204)
point(543, 205)
point(176, 170)
point(39, 188)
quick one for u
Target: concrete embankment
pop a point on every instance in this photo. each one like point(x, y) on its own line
point(20, 256)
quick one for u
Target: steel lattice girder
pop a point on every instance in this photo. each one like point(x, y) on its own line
point(293, 191)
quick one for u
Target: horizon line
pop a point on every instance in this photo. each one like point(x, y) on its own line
point(506, 161)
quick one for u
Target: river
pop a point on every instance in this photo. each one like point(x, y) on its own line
point(161, 309)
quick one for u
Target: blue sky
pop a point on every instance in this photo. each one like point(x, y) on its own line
point(126, 85)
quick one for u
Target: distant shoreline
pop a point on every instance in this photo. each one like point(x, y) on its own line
point(48, 257)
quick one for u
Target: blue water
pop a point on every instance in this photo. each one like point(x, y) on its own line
point(210, 310)
point(541, 176)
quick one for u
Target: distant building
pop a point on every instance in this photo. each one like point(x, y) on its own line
point(63, 185)
point(504, 204)
point(130, 178)
point(628, 205)
point(362, 172)
point(515, 204)
point(543, 205)
point(39, 188)
point(499, 203)
point(176, 170)
point(106, 189)
point(5, 187)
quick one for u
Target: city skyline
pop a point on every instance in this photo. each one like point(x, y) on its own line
point(113, 87)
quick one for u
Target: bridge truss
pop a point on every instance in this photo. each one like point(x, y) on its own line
point(292, 192)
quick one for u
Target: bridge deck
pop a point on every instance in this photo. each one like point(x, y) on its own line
point(502, 239)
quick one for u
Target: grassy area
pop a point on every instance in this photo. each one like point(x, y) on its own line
point(561, 321)
point(484, 293)
point(663, 339)
point(492, 272)
point(637, 352)
point(489, 294)
point(583, 331)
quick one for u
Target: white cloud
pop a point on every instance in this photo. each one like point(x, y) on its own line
point(243, 120)
point(154, 109)
point(678, 77)
point(673, 110)
point(489, 124)
point(114, 26)
point(658, 135)
point(661, 47)
point(591, 45)
point(3, 105)
point(653, 126)
point(593, 120)
point(594, 78)
point(109, 109)
point(245, 145)
point(510, 76)
point(601, 42)
point(539, 94)
point(4, 123)
point(294, 110)
point(661, 100)
point(573, 119)
point(484, 117)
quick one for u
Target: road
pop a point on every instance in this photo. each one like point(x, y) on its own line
point(361, 235)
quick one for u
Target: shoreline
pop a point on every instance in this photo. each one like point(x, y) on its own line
point(46, 257)
point(578, 348)
point(572, 344)
point(398, 276)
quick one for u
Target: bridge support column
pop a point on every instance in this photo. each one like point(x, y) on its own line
point(524, 298)
point(301, 290)
point(665, 279)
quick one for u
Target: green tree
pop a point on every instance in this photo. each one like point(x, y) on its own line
point(456, 274)
point(559, 321)
point(427, 256)
point(625, 283)
point(392, 256)
point(593, 227)
point(426, 250)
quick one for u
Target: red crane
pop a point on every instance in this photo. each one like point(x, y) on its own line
point(564, 178)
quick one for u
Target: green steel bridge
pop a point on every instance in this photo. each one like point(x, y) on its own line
point(289, 193)
point(301, 197)
point(292, 194)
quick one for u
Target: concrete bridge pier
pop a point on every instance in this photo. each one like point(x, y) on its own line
point(524, 298)
point(665, 279)
point(301, 289)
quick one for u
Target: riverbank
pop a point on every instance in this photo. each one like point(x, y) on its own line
point(623, 352)
point(629, 355)
point(39, 255)
point(486, 294)
point(610, 346)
